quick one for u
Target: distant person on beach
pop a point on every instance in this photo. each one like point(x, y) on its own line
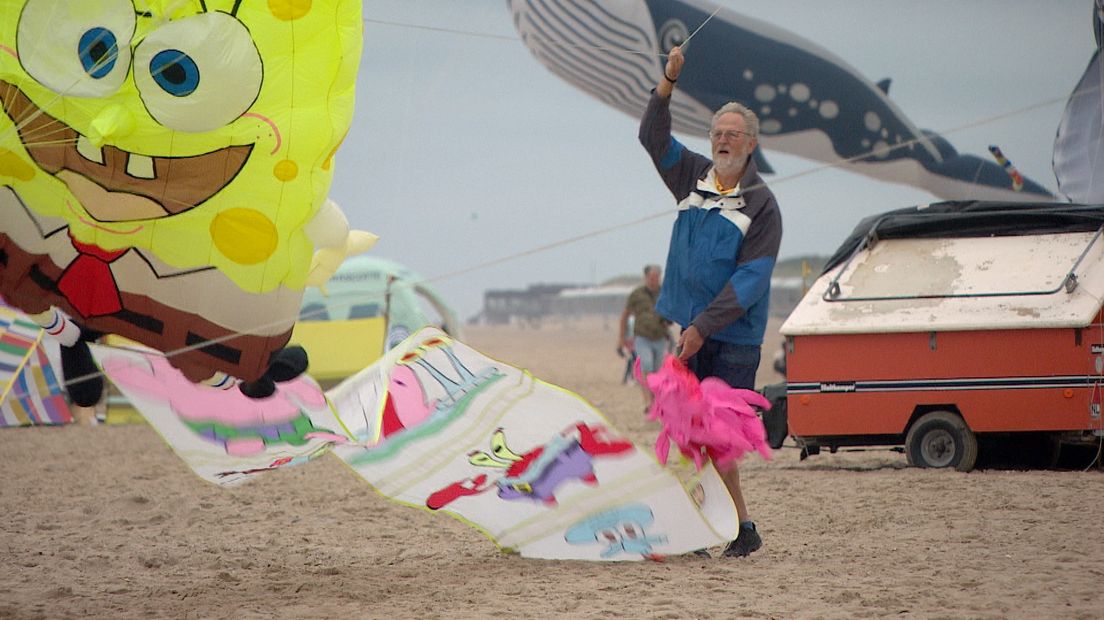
point(723, 248)
point(629, 355)
point(649, 330)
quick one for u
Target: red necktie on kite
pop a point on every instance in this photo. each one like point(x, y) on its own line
point(88, 283)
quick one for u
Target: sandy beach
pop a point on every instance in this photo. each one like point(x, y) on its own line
point(105, 522)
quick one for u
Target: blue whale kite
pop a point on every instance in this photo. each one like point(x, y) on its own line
point(810, 102)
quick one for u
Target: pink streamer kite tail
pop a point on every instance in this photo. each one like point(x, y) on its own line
point(707, 418)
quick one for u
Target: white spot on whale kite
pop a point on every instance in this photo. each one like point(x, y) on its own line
point(872, 121)
point(765, 93)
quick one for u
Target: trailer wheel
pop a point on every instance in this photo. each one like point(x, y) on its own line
point(941, 439)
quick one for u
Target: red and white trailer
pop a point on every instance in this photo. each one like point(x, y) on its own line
point(933, 325)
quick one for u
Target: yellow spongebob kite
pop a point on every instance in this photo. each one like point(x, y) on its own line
point(164, 166)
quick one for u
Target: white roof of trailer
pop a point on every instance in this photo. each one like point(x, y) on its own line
point(956, 284)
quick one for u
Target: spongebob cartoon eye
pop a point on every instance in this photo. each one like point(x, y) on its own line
point(98, 51)
point(198, 73)
point(77, 49)
point(175, 72)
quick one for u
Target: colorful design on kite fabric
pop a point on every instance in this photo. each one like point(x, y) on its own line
point(621, 530)
point(408, 412)
point(288, 428)
point(164, 165)
point(705, 419)
point(29, 390)
point(574, 458)
point(537, 474)
point(244, 426)
point(562, 465)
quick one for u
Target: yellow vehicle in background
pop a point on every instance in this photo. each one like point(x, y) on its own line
point(369, 305)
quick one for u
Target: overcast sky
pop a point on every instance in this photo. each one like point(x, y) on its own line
point(465, 150)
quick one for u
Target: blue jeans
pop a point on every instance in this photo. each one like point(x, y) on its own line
point(735, 364)
point(650, 352)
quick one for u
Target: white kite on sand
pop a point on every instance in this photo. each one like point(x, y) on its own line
point(437, 425)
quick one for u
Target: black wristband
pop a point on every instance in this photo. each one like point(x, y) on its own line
point(667, 78)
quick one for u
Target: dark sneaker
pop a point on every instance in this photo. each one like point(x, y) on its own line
point(747, 542)
point(261, 388)
point(286, 365)
point(701, 553)
point(83, 381)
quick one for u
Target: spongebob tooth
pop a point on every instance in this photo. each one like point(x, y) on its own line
point(89, 151)
point(140, 166)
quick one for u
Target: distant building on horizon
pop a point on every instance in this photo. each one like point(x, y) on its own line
point(504, 306)
point(539, 301)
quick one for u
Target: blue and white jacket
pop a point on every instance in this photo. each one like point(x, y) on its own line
point(723, 247)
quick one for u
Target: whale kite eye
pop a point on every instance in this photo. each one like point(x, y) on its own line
point(673, 32)
point(76, 49)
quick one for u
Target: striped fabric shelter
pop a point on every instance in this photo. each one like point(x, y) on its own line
point(30, 392)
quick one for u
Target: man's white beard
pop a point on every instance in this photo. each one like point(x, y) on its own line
point(728, 164)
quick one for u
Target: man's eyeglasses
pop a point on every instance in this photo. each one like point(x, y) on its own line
point(731, 134)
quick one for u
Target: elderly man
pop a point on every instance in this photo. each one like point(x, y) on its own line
point(723, 248)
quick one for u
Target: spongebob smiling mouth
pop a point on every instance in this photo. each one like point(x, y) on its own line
point(114, 185)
